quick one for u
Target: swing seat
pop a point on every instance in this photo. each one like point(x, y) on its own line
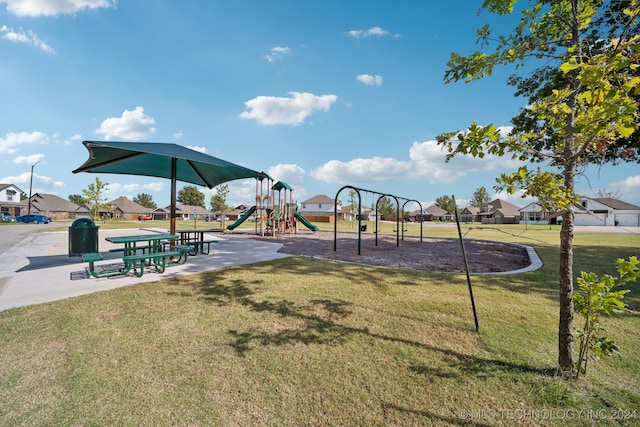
point(363, 227)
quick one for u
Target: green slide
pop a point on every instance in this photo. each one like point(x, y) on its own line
point(306, 222)
point(242, 219)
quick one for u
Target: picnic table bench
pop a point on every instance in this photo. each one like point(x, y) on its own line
point(158, 260)
point(153, 255)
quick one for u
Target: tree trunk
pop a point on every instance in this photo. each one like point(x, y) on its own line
point(565, 273)
point(566, 358)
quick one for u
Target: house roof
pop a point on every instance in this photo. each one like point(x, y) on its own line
point(4, 186)
point(42, 202)
point(471, 209)
point(436, 210)
point(616, 204)
point(320, 198)
point(128, 206)
point(506, 208)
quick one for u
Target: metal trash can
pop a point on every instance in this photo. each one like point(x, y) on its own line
point(83, 237)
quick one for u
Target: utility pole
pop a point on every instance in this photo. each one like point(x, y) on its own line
point(30, 186)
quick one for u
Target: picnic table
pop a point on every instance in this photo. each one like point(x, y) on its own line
point(152, 254)
point(195, 238)
point(153, 242)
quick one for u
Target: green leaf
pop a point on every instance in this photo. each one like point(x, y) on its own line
point(569, 66)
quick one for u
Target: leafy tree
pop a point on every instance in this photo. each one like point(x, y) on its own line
point(589, 107)
point(596, 296)
point(446, 203)
point(190, 195)
point(540, 84)
point(352, 200)
point(77, 199)
point(386, 208)
point(93, 196)
point(219, 200)
point(145, 200)
point(480, 197)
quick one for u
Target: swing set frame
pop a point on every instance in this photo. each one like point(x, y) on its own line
point(399, 218)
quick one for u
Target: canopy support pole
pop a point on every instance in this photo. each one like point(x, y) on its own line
point(172, 219)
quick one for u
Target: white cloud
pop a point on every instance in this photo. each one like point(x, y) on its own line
point(631, 182)
point(28, 160)
point(28, 37)
point(72, 139)
point(242, 191)
point(291, 174)
point(518, 198)
point(277, 52)
point(429, 159)
point(178, 135)
point(132, 125)
point(371, 32)
point(358, 171)
point(271, 110)
point(36, 8)
point(116, 189)
point(629, 189)
point(10, 144)
point(370, 80)
point(199, 149)
point(41, 183)
point(426, 161)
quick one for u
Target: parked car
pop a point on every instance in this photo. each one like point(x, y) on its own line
point(34, 218)
point(6, 217)
point(144, 218)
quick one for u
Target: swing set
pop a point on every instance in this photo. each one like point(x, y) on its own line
point(400, 226)
point(399, 219)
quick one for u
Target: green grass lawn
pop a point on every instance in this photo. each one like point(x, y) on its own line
point(299, 341)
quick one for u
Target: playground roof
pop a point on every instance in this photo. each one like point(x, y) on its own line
point(281, 186)
point(163, 160)
point(155, 158)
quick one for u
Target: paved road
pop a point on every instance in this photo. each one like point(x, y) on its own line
point(12, 234)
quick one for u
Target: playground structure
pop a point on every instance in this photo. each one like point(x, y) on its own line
point(399, 218)
point(275, 211)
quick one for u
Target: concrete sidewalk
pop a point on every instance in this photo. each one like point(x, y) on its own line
point(39, 269)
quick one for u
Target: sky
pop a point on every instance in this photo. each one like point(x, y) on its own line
point(318, 95)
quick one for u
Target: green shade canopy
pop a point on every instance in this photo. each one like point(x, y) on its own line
point(281, 186)
point(162, 160)
point(154, 159)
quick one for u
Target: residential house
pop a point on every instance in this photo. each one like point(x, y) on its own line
point(319, 208)
point(10, 200)
point(533, 214)
point(436, 213)
point(413, 216)
point(189, 212)
point(83, 211)
point(52, 206)
point(499, 212)
point(606, 211)
point(237, 212)
point(470, 214)
point(123, 208)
